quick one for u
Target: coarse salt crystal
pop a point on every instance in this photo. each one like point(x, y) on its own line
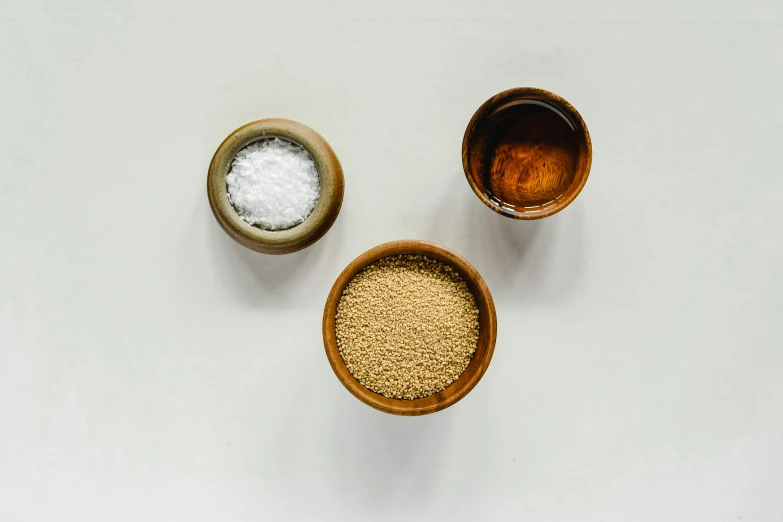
point(273, 184)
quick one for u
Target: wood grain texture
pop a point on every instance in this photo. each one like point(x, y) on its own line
point(320, 220)
point(526, 153)
point(478, 364)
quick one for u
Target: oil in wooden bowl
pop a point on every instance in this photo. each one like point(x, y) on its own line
point(526, 153)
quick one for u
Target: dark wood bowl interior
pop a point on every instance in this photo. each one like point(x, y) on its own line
point(478, 364)
point(526, 153)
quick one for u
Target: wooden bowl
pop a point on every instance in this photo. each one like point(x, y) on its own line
point(304, 234)
point(526, 153)
point(478, 364)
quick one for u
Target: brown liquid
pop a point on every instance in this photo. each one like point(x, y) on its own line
point(527, 154)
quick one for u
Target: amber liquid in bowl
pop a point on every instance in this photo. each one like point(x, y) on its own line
point(526, 154)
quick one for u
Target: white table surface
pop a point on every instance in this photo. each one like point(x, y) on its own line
point(152, 369)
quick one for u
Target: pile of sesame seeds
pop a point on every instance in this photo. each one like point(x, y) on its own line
point(407, 326)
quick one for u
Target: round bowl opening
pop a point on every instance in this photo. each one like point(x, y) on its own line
point(475, 369)
point(292, 145)
point(299, 236)
point(526, 153)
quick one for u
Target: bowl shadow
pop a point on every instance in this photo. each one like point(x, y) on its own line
point(383, 459)
point(266, 280)
point(524, 262)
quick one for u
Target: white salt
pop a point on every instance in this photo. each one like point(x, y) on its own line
point(273, 184)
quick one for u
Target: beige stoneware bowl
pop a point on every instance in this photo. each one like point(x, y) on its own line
point(315, 225)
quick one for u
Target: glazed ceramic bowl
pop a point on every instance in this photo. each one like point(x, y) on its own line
point(319, 221)
point(478, 364)
point(526, 153)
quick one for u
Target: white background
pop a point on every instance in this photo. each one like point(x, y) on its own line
point(152, 369)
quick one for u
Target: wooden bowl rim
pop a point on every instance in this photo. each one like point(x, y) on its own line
point(441, 399)
point(319, 221)
point(580, 177)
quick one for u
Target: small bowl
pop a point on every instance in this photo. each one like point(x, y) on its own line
point(526, 153)
point(478, 364)
point(330, 174)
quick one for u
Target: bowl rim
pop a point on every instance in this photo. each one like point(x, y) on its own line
point(440, 400)
point(320, 220)
point(580, 178)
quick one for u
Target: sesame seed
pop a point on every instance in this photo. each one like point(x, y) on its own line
point(407, 326)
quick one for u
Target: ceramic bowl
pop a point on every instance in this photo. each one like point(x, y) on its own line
point(478, 364)
point(526, 153)
point(320, 219)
